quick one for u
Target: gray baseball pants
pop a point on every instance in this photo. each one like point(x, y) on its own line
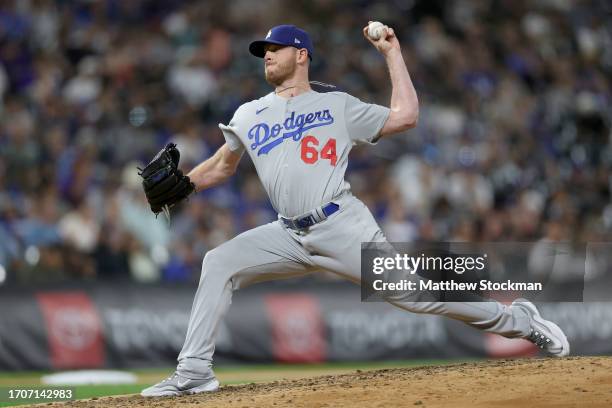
point(273, 251)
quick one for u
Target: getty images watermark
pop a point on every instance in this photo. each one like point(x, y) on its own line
point(444, 271)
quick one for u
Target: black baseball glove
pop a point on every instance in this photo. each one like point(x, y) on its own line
point(164, 184)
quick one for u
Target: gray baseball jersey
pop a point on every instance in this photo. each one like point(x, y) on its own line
point(300, 145)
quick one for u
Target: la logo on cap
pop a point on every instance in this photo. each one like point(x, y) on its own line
point(269, 34)
point(297, 41)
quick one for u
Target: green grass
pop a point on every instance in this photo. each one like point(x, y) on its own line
point(28, 375)
point(91, 391)
point(240, 373)
point(344, 365)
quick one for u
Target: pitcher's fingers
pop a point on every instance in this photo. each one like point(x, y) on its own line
point(384, 34)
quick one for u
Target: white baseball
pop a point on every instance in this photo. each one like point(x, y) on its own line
point(375, 30)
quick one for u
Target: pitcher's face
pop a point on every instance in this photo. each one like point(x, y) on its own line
point(280, 63)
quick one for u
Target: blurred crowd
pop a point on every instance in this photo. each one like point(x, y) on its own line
point(513, 141)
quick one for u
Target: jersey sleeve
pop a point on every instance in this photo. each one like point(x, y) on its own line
point(230, 133)
point(364, 121)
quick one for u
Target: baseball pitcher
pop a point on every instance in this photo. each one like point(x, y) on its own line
point(299, 141)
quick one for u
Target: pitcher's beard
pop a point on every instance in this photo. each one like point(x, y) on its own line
point(280, 75)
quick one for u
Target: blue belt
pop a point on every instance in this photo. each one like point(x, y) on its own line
point(315, 216)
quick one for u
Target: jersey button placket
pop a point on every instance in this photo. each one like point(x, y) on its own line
point(283, 165)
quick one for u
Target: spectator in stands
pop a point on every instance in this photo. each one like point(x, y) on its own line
point(514, 125)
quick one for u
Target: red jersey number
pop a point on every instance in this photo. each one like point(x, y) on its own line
point(310, 155)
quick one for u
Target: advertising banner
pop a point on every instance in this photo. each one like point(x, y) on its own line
point(115, 326)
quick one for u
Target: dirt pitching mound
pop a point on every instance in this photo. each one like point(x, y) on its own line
point(569, 382)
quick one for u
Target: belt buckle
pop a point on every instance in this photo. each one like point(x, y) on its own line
point(306, 222)
point(288, 223)
point(295, 225)
point(309, 220)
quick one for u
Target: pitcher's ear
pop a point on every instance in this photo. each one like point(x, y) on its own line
point(304, 52)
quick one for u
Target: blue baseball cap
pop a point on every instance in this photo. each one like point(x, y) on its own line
point(288, 35)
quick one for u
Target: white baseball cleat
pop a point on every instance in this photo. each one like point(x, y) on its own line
point(176, 384)
point(543, 333)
